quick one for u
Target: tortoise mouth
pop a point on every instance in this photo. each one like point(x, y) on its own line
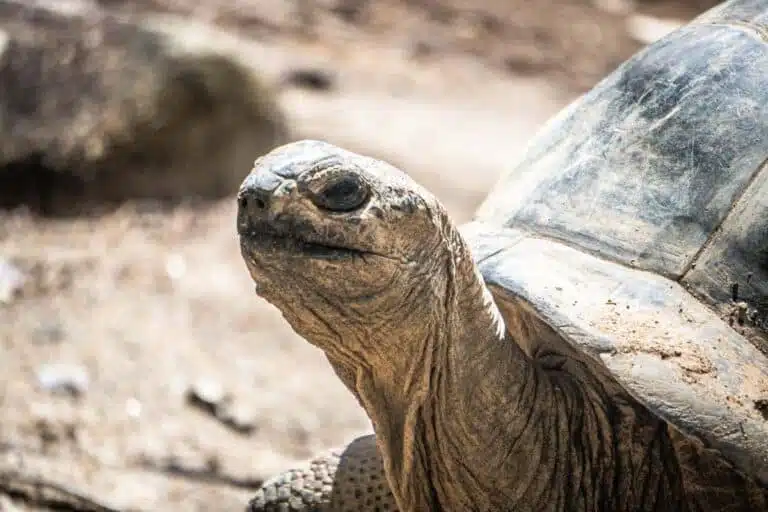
point(256, 242)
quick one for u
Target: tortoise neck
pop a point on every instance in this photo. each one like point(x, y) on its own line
point(448, 394)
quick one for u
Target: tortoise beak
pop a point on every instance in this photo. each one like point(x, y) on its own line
point(255, 198)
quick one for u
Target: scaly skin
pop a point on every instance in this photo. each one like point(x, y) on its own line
point(471, 411)
point(345, 480)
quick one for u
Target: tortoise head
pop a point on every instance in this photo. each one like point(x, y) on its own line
point(339, 242)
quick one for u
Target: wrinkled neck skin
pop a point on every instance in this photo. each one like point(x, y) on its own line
point(442, 451)
point(440, 438)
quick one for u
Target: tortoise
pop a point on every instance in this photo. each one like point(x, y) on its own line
point(594, 339)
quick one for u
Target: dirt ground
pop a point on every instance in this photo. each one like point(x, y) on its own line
point(131, 328)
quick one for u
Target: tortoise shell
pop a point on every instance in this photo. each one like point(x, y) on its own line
point(635, 225)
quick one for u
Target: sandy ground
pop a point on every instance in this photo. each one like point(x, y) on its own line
point(123, 318)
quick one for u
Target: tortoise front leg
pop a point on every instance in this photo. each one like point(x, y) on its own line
point(349, 479)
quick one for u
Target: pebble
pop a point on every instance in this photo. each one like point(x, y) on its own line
point(238, 417)
point(71, 379)
point(210, 396)
point(207, 394)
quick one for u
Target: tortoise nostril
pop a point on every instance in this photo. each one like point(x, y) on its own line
point(342, 193)
point(257, 191)
point(246, 202)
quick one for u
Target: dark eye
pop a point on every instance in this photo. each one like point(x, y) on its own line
point(342, 194)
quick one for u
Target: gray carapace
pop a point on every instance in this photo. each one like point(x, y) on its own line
point(646, 205)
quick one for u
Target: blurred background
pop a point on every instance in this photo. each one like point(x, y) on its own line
point(137, 367)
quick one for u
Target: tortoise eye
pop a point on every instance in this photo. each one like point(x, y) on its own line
point(342, 193)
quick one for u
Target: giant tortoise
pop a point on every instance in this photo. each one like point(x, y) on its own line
point(594, 340)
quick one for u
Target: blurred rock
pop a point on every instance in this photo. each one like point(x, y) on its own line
point(79, 483)
point(238, 416)
point(70, 379)
point(11, 281)
point(207, 395)
point(96, 108)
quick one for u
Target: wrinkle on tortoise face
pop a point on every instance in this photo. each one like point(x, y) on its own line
point(315, 217)
point(348, 248)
